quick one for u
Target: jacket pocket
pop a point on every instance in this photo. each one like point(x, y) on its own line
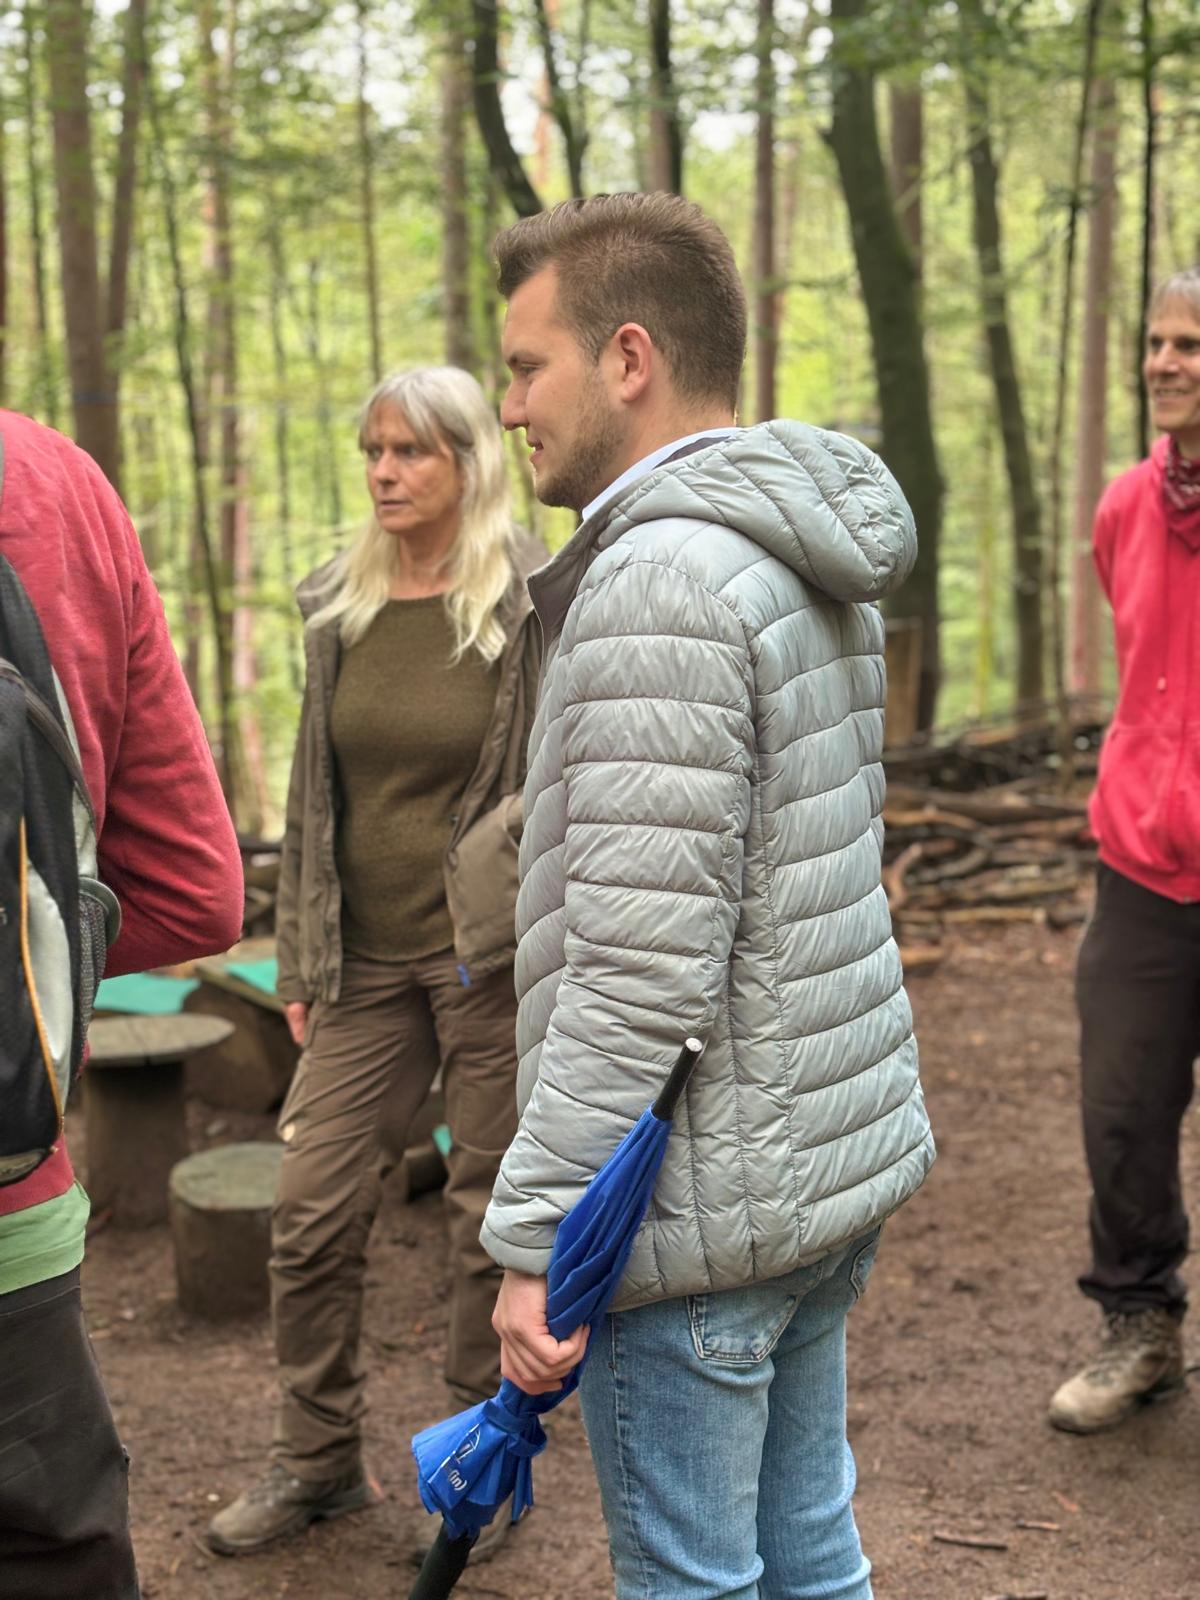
point(481, 882)
point(1131, 805)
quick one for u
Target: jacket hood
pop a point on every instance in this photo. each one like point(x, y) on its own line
point(821, 502)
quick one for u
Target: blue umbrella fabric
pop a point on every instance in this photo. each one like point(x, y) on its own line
point(469, 1465)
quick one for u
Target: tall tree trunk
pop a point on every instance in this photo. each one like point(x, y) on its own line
point(888, 279)
point(907, 115)
point(766, 291)
point(326, 484)
point(221, 375)
point(216, 591)
point(283, 478)
point(1086, 608)
point(125, 187)
point(665, 163)
point(559, 102)
point(1150, 122)
point(489, 113)
point(1022, 488)
point(456, 238)
point(94, 400)
point(491, 307)
point(985, 554)
point(223, 396)
point(366, 163)
point(33, 174)
point(1054, 466)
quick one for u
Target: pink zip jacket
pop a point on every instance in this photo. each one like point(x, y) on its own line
point(1145, 810)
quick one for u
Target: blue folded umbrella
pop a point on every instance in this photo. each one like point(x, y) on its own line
point(469, 1465)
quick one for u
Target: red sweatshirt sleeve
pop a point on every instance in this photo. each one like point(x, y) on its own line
point(166, 844)
point(167, 847)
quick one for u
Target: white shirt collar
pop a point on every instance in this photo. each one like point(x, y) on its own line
point(647, 464)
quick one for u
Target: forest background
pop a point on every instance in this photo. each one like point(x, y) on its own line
point(222, 220)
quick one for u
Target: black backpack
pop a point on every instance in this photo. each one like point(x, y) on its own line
point(56, 918)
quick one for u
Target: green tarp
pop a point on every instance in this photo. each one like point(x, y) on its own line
point(144, 994)
point(258, 974)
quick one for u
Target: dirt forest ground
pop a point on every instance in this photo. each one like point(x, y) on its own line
point(970, 1320)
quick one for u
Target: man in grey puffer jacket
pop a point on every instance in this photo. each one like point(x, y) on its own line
point(701, 855)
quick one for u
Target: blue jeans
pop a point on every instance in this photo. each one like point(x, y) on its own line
point(717, 1425)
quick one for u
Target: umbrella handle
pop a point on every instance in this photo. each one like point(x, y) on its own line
point(664, 1107)
point(443, 1565)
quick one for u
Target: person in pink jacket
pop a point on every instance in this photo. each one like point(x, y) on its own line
point(168, 851)
point(1138, 977)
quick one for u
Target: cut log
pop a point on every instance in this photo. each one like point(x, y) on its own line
point(251, 1069)
point(134, 1110)
point(221, 1229)
point(920, 957)
point(1002, 803)
point(416, 1163)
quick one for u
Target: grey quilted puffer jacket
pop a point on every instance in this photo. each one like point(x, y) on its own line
point(701, 855)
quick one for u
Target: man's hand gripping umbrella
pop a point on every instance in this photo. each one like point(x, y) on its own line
point(469, 1465)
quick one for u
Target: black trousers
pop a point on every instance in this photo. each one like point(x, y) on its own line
point(64, 1502)
point(1137, 986)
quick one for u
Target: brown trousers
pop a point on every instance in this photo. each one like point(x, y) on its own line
point(382, 1041)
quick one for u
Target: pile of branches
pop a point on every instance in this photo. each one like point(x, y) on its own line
point(1013, 847)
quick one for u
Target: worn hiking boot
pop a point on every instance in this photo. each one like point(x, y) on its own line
point(282, 1505)
point(488, 1544)
point(1140, 1360)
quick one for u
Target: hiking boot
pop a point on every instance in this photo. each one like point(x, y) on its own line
point(485, 1547)
point(282, 1505)
point(1140, 1360)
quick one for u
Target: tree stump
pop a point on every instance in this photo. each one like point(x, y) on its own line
point(221, 1229)
point(251, 1069)
point(134, 1110)
point(413, 1162)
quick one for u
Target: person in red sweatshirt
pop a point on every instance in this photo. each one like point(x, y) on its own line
point(168, 851)
point(1138, 977)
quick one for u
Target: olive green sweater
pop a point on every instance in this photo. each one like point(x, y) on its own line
point(406, 729)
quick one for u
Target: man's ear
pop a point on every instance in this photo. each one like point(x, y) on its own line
point(631, 357)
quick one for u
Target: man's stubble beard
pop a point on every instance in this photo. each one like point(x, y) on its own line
point(589, 468)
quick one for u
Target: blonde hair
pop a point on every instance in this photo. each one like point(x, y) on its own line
point(443, 406)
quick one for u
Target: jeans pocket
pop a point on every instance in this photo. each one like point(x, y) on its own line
point(864, 1260)
point(741, 1327)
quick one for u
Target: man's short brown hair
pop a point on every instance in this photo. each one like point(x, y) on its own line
point(653, 259)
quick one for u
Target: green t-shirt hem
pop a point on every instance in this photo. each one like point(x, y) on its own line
point(43, 1241)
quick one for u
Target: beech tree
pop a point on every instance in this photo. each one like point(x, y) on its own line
point(889, 287)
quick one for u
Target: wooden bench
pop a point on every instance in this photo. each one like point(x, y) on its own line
point(133, 1099)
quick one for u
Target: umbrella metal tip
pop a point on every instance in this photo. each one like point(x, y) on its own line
point(693, 1045)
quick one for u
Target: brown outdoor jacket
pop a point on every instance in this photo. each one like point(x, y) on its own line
point(480, 862)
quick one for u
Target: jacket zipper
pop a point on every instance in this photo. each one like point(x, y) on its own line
point(1173, 794)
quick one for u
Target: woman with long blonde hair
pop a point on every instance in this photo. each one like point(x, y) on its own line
point(395, 920)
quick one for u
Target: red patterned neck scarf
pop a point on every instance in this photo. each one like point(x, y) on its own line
point(1181, 496)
